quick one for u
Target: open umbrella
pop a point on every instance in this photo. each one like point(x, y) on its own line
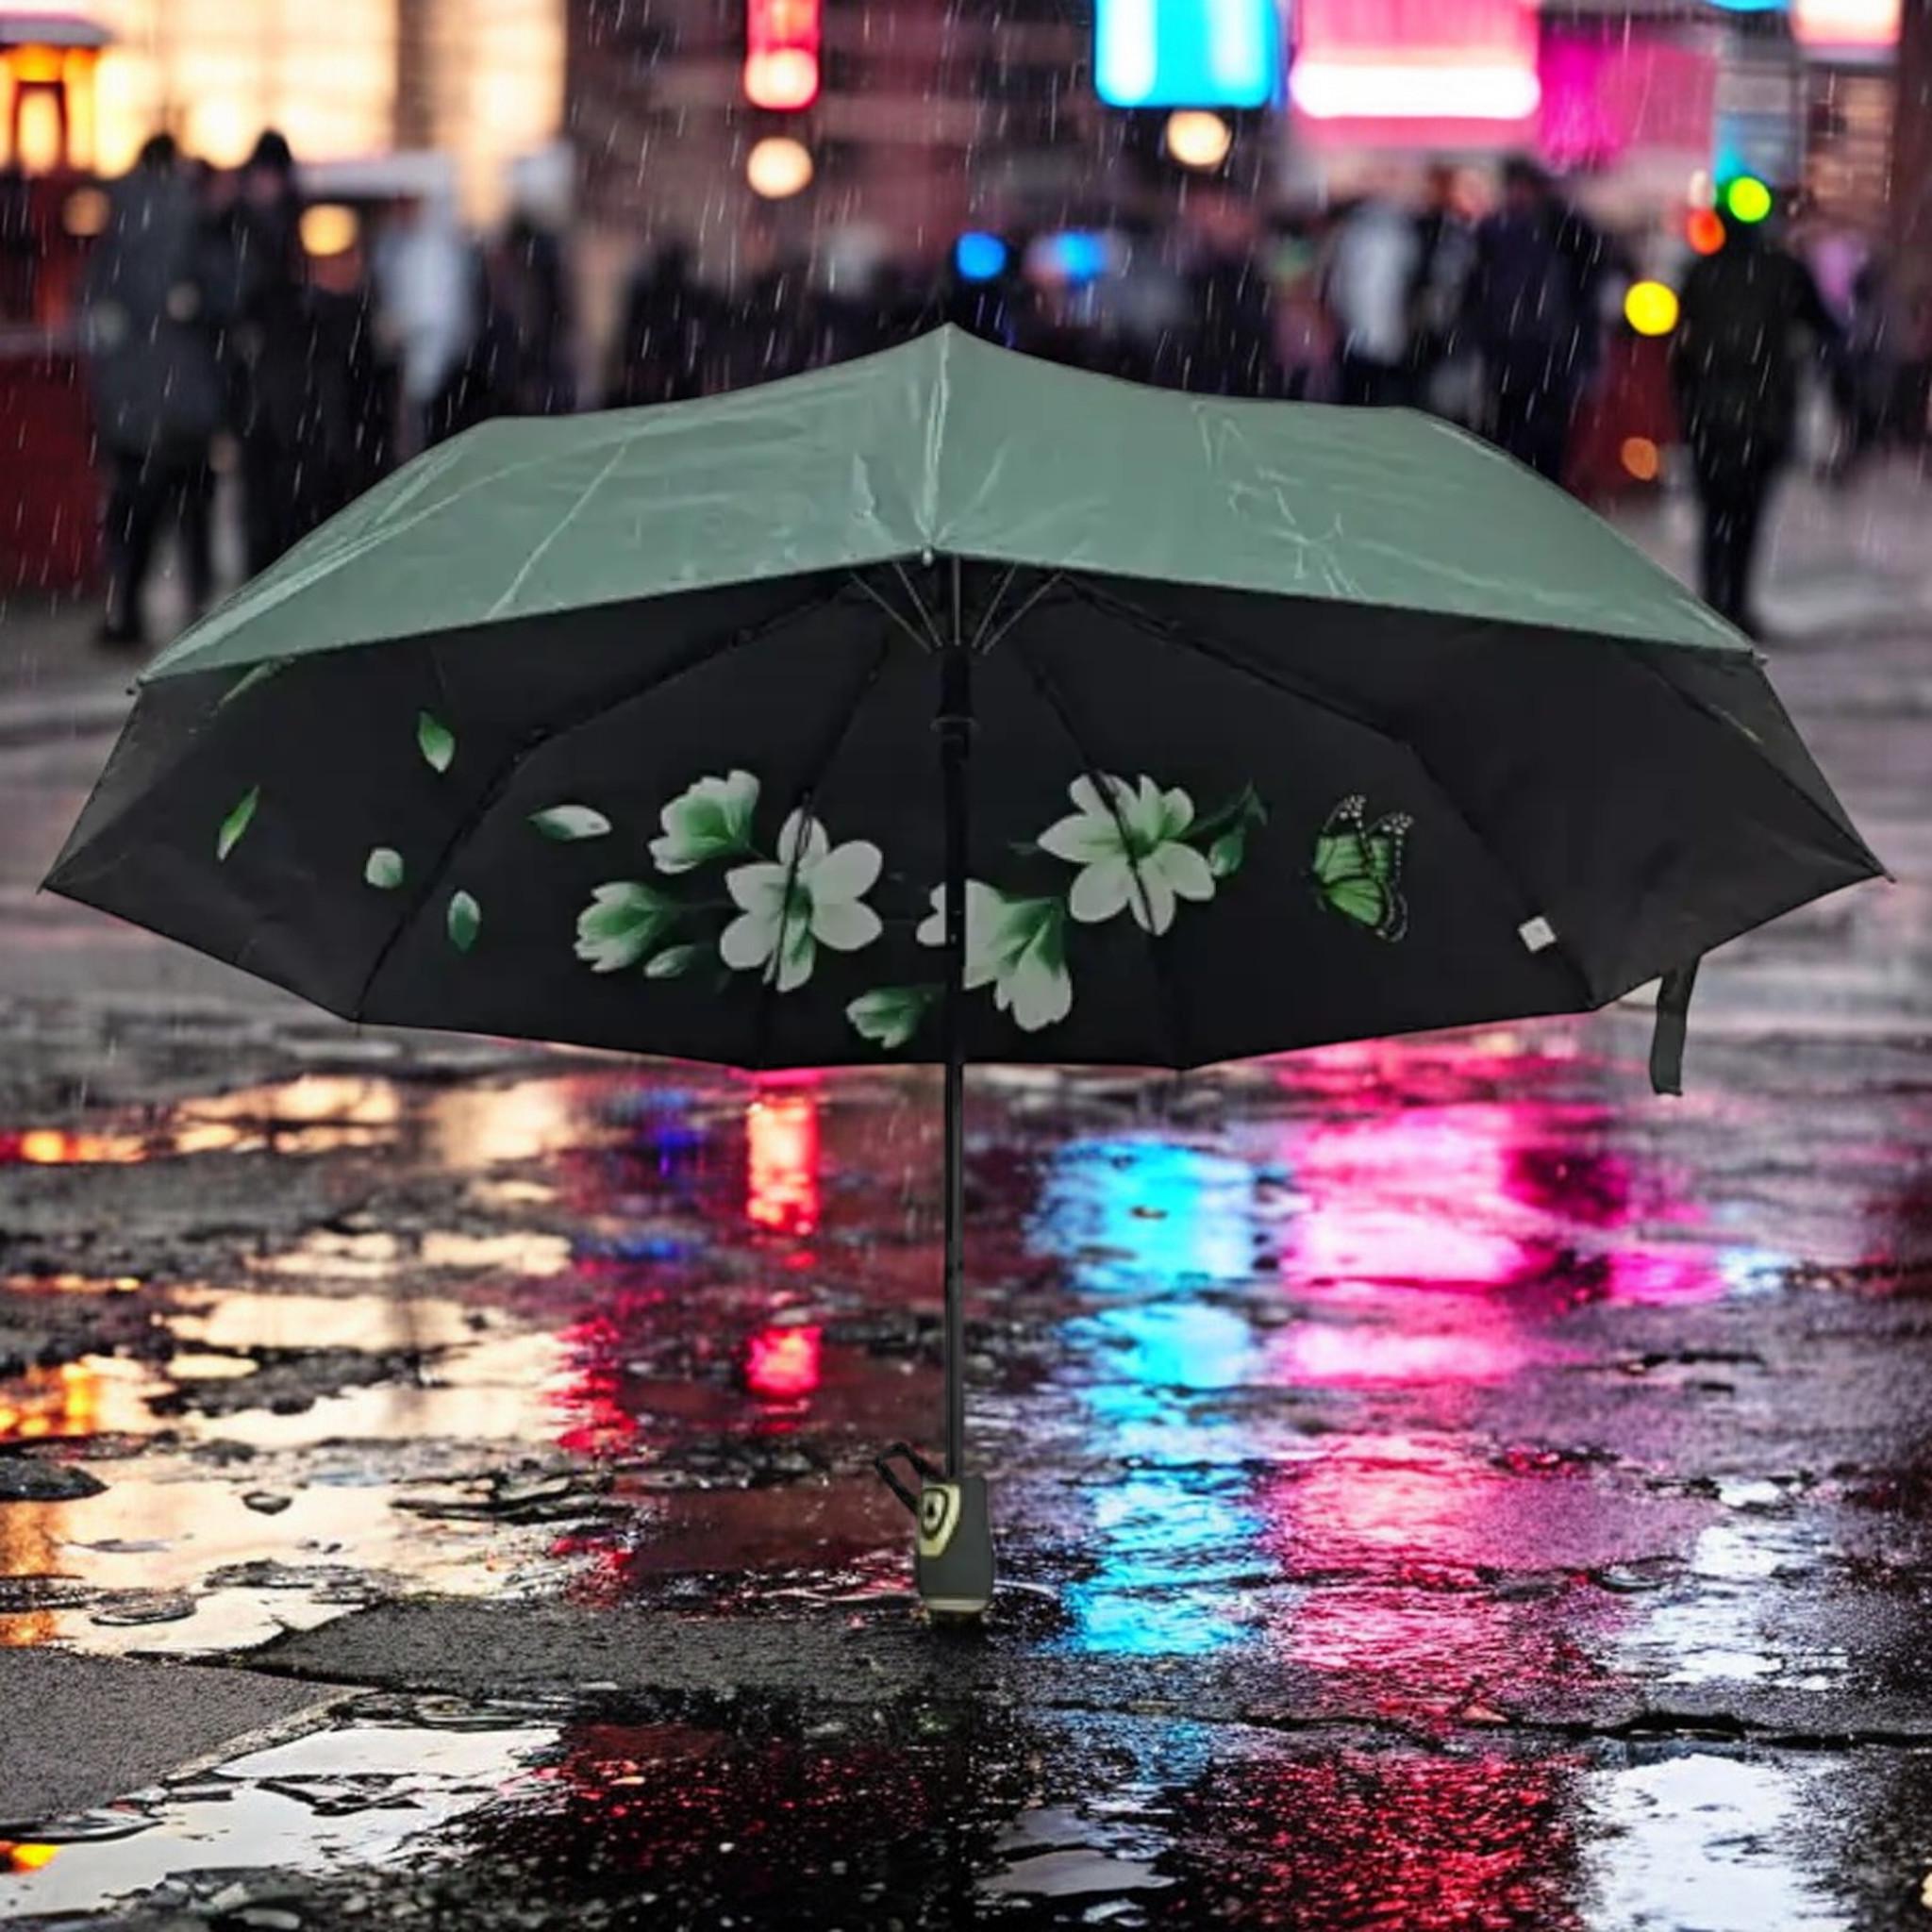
point(946, 706)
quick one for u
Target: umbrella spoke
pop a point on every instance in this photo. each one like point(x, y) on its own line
point(1049, 583)
point(918, 603)
point(924, 640)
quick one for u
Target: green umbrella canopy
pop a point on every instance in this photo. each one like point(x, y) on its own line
point(1292, 724)
point(953, 447)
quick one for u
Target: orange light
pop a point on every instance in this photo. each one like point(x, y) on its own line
point(781, 54)
point(28, 1857)
point(782, 1364)
point(1639, 457)
point(51, 1147)
point(782, 1132)
point(1704, 230)
point(1851, 25)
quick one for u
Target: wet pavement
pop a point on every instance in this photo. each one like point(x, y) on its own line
point(1438, 1486)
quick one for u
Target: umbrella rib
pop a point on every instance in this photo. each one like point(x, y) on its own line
point(932, 631)
point(1041, 590)
point(1172, 634)
point(693, 660)
point(1724, 719)
point(1177, 1028)
point(986, 616)
point(802, 802)
point(897, 616)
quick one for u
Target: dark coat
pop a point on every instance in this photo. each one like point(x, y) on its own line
point(1732, 361)
point(150, 308)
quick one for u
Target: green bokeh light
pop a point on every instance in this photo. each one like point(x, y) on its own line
point(1747, 198)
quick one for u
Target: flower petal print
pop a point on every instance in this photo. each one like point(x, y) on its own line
point(622, 921)
point(712, 819)
point(812, 896)
point(1017, 946)
point(1127, 843)
point(888, 1016)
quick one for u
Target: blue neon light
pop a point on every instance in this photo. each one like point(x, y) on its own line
point(1187, 53)
point(979, 258)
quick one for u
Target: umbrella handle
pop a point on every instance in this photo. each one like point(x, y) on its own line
point(915, 1461)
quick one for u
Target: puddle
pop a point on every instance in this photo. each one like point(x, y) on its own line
point(331, 1801)
point(1706, 1841)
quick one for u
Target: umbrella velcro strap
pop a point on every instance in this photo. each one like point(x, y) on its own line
point(1673, 1022)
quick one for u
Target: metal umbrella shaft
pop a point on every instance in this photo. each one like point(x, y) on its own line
point(955, 726)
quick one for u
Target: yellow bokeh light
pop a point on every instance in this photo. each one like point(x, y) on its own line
point(328, 228)
point(1198, 139)
point(778, 167)
point(1650, 308)
point(30, 1857)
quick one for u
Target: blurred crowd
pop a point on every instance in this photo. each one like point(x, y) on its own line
point(208, 324)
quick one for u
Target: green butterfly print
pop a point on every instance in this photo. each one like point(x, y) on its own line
point(1358, 868)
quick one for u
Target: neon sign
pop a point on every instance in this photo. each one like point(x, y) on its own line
point(1186, 53)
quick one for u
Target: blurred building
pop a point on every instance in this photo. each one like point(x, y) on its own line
point(84, 82)
point(925, 117)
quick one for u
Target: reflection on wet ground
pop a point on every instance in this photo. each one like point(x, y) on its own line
point(1434, 1378)
point(448, 1815)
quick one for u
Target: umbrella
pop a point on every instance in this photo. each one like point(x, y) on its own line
point(946, 706)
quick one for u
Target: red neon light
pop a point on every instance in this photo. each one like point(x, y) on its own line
point(782, 1187)
point(781, 54)
point(782, 1364)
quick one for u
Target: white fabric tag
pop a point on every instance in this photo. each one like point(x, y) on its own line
point(1536, 933)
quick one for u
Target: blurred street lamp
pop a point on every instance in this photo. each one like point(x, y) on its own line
point(1197, 139)
point(778, 167)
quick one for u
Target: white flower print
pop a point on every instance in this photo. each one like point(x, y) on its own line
point(1017, 946)
point(812, 897)
point(1127, 843)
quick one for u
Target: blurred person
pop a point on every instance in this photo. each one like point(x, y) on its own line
point(667, 315)
point(1866, 369)
point(771, 315)
point(1374, 257)
point(1532, 304)
point(1447, 375)
point(350, 405)
point(1736, 378)
point(1305, 341)
point(271, 347)
point(147, 328)
point(530, 290)
point(428, 305)
point(19, 246)
point(1231, 350)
